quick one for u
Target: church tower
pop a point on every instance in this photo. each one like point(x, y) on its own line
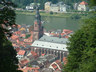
point(38, 28)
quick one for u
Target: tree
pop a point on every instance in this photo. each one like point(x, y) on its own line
point(82, 48)
point(92, 2)
point(8, 60)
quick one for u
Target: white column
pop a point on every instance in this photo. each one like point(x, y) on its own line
point(60, 56)
point(63, 54)
point(54, 52)
point(57, 53)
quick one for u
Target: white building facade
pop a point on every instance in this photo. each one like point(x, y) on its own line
point(83, 6)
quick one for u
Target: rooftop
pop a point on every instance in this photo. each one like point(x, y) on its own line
point(54, 39)
point(49, 45)
point(21, 52)
point(83, 3)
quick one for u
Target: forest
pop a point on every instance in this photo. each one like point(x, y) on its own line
point(23, 3)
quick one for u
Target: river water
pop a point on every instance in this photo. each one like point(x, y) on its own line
point(50, 23)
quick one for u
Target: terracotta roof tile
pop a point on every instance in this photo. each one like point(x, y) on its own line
point(17, 32)
point(54, 66)
point(25, 61)
point(65, 60)
point(21, 52)
point(22, 35)
point(14, 37)
point(19, 26)
point(34, 54)
point(83, 3)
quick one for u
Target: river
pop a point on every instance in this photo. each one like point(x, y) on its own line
point(50, 23)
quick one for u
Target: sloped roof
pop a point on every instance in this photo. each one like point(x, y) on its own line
point(54, 39)
point(21, 52)
point(83, 3)
point(49, 45)
point(14, 37)
point(25, 61)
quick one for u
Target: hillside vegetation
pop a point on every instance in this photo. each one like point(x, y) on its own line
point(23, 3)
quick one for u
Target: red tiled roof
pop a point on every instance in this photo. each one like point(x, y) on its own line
point(34, 54)
point(43, 54)
point(66, 30)
point(25, 61)
point(59, 63)
point(17, 32)
point(83, 3)
point(17, 40)
point(66, 36)
point(65, 60)
point(62, 34)
point(22, 35)
point(19, 26)
point(52, 33)
point(26, 69)
point(21, 52)
point(54, 66)
point(14, 37)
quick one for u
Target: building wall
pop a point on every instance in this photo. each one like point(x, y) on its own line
point(62, 9)
point(83, 7)
point(58, 53)
point(55, 8)
point(47, 6)
point(29, 7)
point(19, 56)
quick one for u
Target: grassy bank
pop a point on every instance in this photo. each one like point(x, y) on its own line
point(45, 14)
point(73, 15)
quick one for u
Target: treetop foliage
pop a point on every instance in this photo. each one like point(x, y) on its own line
point(8, 60)
point(82, 49)
point(23, 3)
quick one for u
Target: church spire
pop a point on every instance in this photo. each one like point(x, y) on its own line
point(38, 28)
point(37, 16)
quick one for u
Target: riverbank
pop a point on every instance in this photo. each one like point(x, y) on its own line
point(62, 15)
point(74, 15)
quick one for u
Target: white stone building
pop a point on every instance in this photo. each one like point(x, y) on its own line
point(20, 54)
point(30, 7)
point(54, 8)
point(47, 6)
point(83, 6)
